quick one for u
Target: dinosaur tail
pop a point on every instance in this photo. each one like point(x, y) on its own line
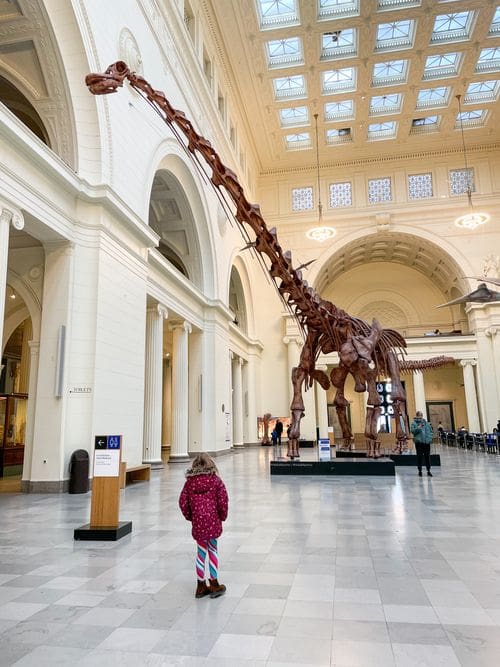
point(409, 366)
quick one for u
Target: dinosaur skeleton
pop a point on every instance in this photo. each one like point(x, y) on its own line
point(366, 351)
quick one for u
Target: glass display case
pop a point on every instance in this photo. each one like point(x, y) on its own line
point(12, 432)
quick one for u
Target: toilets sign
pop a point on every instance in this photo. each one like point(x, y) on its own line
point(107, 455)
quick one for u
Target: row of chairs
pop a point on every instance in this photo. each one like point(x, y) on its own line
point(480, 442)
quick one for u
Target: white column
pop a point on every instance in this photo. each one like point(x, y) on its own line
point(153, 386)
point(419, 392)
point(494, 334)
point(180, 392)
point(7, 216)
point(470, 395)
point(34, 348)
point(321, 406)
point(237, 402)
point(166, 429)
point(487, 382)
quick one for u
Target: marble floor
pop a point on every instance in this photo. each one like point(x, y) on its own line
point(347, 571)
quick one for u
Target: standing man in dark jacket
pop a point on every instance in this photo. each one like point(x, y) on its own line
point(422, 436)
point(279, 430)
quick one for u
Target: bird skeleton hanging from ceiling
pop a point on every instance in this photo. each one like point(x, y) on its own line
point(366, 351)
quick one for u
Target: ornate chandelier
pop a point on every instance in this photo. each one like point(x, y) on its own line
point(320, 232)
point(472, 218)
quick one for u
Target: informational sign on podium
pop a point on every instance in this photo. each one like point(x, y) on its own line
point(107, 455)
point(105, 503)
point(324, 449)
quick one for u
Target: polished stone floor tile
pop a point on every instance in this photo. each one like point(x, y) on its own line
point(320, 571)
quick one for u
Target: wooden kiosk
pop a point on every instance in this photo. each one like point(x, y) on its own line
point(105, 502)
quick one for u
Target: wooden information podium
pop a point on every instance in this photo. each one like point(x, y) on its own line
point(105, 503)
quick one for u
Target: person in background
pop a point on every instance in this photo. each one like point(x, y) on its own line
point(422, 436)
point(204, 502)
point(279, 430)
point(274, 436)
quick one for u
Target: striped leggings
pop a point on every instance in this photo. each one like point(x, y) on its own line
point(204, 547)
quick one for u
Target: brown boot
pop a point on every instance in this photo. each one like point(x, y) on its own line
point(202, 589)
point(216, 589)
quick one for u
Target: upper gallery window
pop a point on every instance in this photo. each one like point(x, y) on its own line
point(302, 199)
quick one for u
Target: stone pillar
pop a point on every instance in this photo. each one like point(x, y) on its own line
point(166, 428)
point(153, 386)
point(24, 374)
point(34, 349)
point(321, 406)
point(419, 392)
point(487, 381)
point(494, 334)
point(471, 395)
point(237, 363)
point(8, 216)
point(180, 392)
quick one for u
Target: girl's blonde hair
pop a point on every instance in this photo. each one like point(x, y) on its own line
point(203, 464)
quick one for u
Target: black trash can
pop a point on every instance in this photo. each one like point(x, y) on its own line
point(79, 472)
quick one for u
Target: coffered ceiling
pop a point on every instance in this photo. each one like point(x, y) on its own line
point(381, 75)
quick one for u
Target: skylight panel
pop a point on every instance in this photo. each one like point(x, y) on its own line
point(298, 141)
point(395, 35)
point(383, 104)
point(335, 9)
point(397, 4)
point(289, 87)
point(338, 80)
point(433, 97)
point(489, 60)
point(453, 27)
point(442, 65)
point(482, 91)
point(339, 44)
point(469, 119)
point(426, 124)
point(340, 136)
point(389, 73)
point(294, 116)
point(277, 13)
point(284, 52)
point(339, 110)
point(386, 130)
point(495, 24)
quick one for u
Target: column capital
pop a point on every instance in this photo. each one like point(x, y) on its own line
point(292, 339)
point(492, 331)
point(468, 362)
point(185, 326)
point(162, 311)
point(11, 215)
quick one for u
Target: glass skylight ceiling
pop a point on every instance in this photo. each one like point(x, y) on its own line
point(452, 27)
point(277, 13)
point(395, 36)
point(433, 97)
point(389, 73)
point(336, 9)
point(442, 65)
point(294, 116)
point(285, 52)
point(339, 110)
point(321, 54)
point(339, 44)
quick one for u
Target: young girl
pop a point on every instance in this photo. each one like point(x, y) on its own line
point(204, 502)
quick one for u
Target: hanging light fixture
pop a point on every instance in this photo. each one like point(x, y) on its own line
point(472, 218)
point(320, 232)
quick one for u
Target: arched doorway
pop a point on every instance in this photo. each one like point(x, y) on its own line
point(401, 279)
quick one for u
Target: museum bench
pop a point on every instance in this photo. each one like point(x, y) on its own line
point(141, 473)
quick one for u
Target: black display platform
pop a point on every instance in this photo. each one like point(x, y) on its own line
point(343, 466)
point(411, 459)
point(105, 533)
point(399, 459)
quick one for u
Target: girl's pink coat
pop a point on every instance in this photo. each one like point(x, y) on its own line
point(204, 502)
